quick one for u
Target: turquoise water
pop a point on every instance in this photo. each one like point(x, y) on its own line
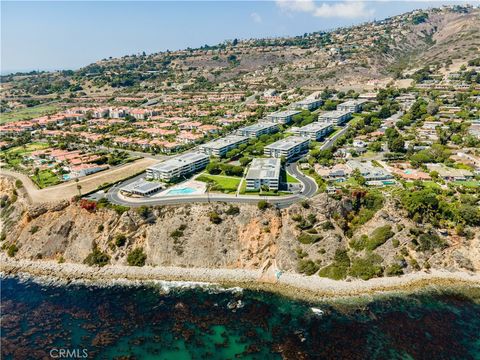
point(182, 191)
point(145, 322)
point(66, 177)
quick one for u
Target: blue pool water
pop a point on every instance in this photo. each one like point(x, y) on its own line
point(182, 191)
point(66, 177)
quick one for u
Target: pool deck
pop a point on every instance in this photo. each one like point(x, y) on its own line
point(198, 187)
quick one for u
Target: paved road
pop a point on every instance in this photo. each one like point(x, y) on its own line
point(309, 189)
point(330, 141)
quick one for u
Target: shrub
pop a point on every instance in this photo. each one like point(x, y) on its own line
point(18, 184)
point(34, 229)
point(144, 211)
point(214, 217)
point(297, 217)
point(100, 228)
point(305, 238)
point(177, 234)
point(327, 225)
point(307, 267)
point(305, 204)
point(97, 258)
point(395, 243)
point(136, 257)
point(119, 209)
point(366, 267)
point(378, 237)
point(88, 205)
point(233, 210)
point(394, 270)
point(339, 268)
point(262, 205)
point(12, 250)
point(120, 240)
point(429, 241)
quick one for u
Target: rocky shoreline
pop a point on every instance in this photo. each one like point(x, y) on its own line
point(289, 284)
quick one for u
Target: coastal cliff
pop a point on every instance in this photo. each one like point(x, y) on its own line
point(304, 238)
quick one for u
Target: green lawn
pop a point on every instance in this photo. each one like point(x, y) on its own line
point(221, 182)
point(46, 178)
point(20, 150)
point(29, 113)
point(291, 179)
point(471, 183)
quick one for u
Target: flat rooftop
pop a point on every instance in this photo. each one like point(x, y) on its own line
point(284, 113)
point(258, 126)
point(334, 114)
point(264, 168)
point(315, 126)
point(141, 186)
point(354, 102)
point(287, 143)
point(225, 141)
point(179, 161)
point(308, 101)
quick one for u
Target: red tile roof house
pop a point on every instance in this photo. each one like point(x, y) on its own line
point(209, 129)
point(190, 125)
point(159, 132)
point(188, 137)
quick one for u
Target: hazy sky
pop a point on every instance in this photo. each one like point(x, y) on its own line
point(69, 34)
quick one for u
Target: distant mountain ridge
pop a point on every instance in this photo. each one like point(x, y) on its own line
point(371, 51)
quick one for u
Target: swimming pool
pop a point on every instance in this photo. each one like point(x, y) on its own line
point(66, 177)
point(182, 191)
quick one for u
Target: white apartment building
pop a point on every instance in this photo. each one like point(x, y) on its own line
point(264, 172)
point(288, 147)
point(307, 104)
point(282, 117)
point(351, 105)
point(257, 129)
point(182, 165)
point(223, 145)
point(314, 131)
point(335, 117)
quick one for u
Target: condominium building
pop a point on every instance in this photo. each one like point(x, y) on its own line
point(182, 165)
point(264, 172)
point(282, 117)
point(336, 117)
point(307, 104)
point(351, 105)
point(288, 147)
point(257, 129)
point(223, 145)
point(314, 131)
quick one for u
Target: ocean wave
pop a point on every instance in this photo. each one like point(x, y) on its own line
point(164, 286)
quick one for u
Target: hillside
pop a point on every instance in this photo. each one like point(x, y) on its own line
point(374, 53)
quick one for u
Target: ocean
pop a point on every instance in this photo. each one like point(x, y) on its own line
point(188, 321)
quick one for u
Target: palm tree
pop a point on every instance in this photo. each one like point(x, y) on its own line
point(79, 188)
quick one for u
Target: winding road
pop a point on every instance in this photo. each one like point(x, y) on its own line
point(309, 189)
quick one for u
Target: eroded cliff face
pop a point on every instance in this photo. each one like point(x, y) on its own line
point(238, 236)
